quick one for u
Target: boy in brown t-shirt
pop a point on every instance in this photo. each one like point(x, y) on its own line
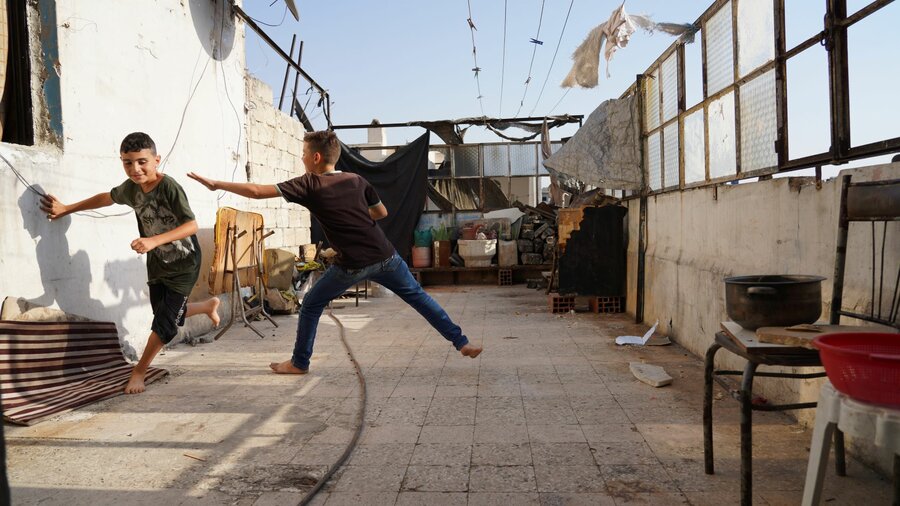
point(347, 207)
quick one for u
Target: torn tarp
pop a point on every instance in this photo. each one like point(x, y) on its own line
point(615, 33)
point(605, 152)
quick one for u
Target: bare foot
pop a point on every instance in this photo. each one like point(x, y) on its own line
point(470, 350)
point(214, 311)
point(286, 367)
point(135, 383)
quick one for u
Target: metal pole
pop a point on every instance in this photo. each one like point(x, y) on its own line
point(296, 77)
point(287, 71)
point(264, 36)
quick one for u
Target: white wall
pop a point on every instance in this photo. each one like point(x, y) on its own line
point(698, 237)
point(123, 66)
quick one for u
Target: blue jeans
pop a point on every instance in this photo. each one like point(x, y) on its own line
point(394, 275)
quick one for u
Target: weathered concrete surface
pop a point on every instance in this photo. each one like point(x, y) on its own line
point(548, 414)
point(698, 237)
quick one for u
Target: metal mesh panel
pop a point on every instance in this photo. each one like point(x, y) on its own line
point(670, 87)
point(722, 156)
point(758, 125)
point(496, 160)
point(651, 101)
point(719, 50)
point(442, 160)
point(756, 34)
point(466, 159)
point(654, 174)
point(524, 159)
point(670, 155)
point(694, 148)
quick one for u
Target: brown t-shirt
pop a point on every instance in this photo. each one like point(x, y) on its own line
point(341, 202)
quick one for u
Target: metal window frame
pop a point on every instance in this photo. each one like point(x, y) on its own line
point(833, 36)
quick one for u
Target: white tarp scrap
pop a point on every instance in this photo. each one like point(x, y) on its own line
point(615, 32)
point(605, 152)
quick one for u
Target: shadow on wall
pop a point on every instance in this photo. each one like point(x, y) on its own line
point(214, 22)
point(66, 278)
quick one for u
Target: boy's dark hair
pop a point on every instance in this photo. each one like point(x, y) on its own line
point(326, 143)
point(137, 141)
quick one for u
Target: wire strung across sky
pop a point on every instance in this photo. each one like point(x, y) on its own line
point(536, 41)
point(552, 61)
point(503, 65)
point(476, 69)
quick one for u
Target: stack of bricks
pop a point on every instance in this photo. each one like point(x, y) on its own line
point(561, 303)
point(504, 277)
point(607, 304)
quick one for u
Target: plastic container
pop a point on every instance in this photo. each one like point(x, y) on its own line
point(864, 366)
point(477, 252)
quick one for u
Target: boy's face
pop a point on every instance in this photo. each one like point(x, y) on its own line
point(310, 159)
point(140, 166)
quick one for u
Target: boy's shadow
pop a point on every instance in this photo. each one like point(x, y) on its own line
point(66, 278)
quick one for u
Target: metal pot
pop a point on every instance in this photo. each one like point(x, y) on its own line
point(773, 300)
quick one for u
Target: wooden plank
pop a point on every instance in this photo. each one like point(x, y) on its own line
point(802, 335)
point(568, 220)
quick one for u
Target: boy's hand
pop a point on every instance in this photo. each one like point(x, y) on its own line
point(208, 183)
point(143, 244)
point(53, 207)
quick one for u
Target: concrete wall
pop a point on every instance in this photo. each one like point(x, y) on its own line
point(121, 67)
point(275, 146)
point(697, 237)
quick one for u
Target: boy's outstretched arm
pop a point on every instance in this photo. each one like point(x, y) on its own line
point(249, 190)
point(145, 244)
point(56, 209)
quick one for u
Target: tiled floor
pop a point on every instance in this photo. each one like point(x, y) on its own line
point(549, 414)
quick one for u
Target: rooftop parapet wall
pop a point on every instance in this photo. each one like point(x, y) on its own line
point(696, 238)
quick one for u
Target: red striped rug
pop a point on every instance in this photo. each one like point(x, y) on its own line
point(48, 368)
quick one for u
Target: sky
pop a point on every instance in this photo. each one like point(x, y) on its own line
point(411, 60)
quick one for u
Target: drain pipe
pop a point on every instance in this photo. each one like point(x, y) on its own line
point(642, 219)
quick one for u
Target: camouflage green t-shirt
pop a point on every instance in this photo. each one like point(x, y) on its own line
point(176, 264)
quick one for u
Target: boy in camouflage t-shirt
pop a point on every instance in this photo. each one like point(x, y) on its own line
point(167, 235)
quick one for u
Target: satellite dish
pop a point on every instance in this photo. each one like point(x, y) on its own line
point(293, 9)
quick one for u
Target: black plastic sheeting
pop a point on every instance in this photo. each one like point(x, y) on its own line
point(400, 180)
point(594, 261)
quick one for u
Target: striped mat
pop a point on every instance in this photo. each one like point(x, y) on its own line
point(48, 368)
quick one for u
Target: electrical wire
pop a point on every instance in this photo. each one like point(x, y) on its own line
point(476, 69)
point(283, 16)
point(503, 64)
point(90, 213)
point(559, 101)
point(552, 61)
point(531, 65)
point(163, 164)
point(237, 116)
